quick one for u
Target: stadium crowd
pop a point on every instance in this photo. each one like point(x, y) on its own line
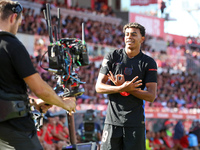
point(100, 7)
point(54, 135)
point(178, 139)
point(95, 31)
point(175, 90)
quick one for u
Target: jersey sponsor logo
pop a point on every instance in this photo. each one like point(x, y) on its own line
point(104, 136)
point(152, 69)
point(128, 71)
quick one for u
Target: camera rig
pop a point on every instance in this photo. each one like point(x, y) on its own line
point(65, 55)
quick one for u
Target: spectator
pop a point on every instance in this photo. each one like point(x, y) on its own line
point(168, 141)
point(62, 128)
point(58, 139)
point(45, 137)
point(193, 141)
point(149, 145)
point(158, 142)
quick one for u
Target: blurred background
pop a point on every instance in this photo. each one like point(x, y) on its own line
point(172, 39)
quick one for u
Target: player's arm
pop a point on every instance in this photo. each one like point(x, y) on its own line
point(102, 87)
point(101, 84)
point(147, 95)
point(150, 81)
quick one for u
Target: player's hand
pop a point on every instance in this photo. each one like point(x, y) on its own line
point(131, 85)
point(70, 104)
point(117, 79)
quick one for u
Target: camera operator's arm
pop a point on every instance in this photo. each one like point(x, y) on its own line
point(42, 90)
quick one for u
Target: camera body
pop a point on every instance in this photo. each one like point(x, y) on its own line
point(77, 50)
point(65, 51)
point(64, 56)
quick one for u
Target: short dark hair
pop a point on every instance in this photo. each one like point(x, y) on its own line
point(8, 7)
point(135, 25)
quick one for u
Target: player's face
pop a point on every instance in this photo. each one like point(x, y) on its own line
point(133, 38)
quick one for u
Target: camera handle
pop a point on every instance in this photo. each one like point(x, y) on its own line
point(71, 126)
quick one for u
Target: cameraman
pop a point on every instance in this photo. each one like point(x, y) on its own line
point(17, 128)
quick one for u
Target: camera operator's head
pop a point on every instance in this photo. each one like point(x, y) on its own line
point(10, 16)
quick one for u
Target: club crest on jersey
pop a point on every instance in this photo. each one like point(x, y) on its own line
point(128, 71)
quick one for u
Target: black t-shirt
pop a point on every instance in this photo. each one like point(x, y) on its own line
point(15, 64)
point(128, 110)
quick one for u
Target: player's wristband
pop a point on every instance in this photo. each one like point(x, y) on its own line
point(125, 93)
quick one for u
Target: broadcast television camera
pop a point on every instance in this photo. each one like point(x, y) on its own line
point(65, 55)
point(89, 130)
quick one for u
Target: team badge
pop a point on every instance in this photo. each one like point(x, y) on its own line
point(128, 71)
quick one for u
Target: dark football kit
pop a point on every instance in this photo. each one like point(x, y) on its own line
point(125, 113)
